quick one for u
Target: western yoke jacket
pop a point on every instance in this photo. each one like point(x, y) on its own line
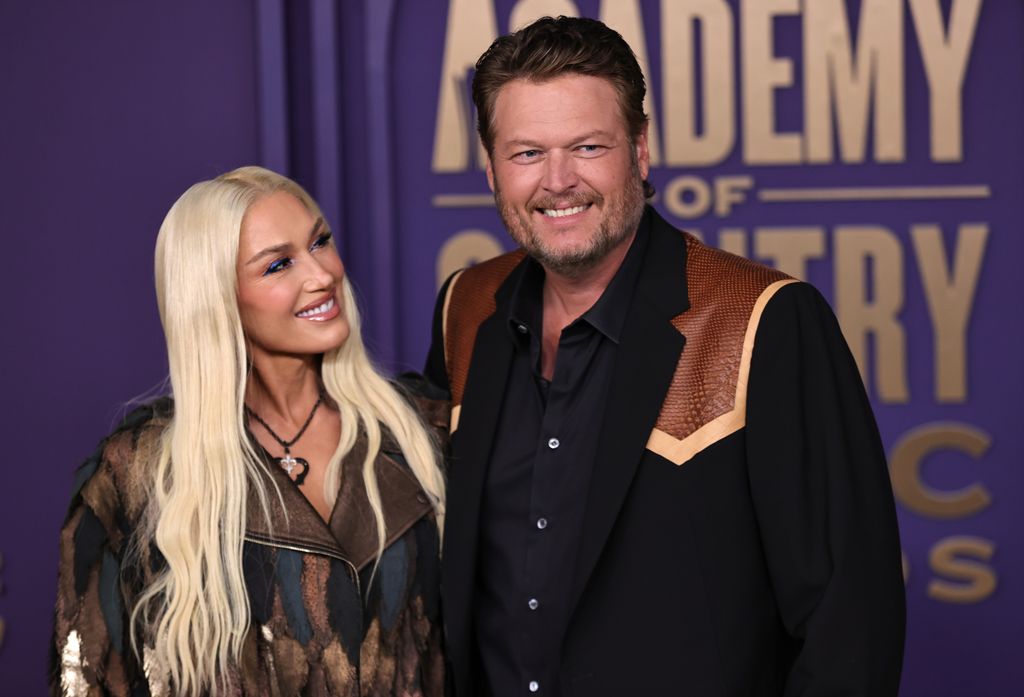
point(319, 625)
point(740, 535)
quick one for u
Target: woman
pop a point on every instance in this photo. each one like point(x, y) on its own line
point(275, 529)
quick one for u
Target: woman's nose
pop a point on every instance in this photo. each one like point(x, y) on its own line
point(325, 272)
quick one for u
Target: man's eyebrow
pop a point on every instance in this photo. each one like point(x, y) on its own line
point(522, 143)
point(284, 246)
point(526, 143)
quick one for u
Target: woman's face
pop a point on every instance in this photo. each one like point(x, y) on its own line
point(289, 280)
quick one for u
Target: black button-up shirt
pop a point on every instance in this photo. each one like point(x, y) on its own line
point(538, 477)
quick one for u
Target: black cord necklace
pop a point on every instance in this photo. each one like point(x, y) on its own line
point(288, 463)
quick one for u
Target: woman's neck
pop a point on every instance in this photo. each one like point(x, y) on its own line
point(283, 388)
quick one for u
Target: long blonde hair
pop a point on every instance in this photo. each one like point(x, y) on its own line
point(196, 612)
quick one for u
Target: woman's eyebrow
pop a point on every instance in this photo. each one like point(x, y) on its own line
point(284, 246)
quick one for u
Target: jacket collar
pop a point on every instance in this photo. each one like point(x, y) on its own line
point(351, 533)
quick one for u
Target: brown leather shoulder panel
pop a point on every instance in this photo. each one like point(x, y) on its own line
point(470, 301)
point(723, 290)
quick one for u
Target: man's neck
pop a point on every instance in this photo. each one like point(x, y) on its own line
point(566, 298)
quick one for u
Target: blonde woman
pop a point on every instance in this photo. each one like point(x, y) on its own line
point(274, 527)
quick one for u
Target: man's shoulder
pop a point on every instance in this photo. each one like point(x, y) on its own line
point(489, 273)
point(714, 275)
point(710, 272)
point(469, 298)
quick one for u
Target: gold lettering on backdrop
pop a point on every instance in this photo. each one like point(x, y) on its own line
point(912, 491)
point(789, 248)
point(688, 197)
point(865, 311)
point(763, 73)
point(949, 290)
point(843, 84)
point(470, 30)
point(960, 558)
point(624, 16)
point(684, 146)
point(856, 81)
point(945, 55)
point(691, 197)
point(730, 190)
point(464, 249)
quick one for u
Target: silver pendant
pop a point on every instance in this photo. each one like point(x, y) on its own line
point(288, 463)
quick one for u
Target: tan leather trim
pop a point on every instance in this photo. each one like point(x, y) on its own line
point(681, 451)
point(471, 301)
point(456, 412)
point(444, 310)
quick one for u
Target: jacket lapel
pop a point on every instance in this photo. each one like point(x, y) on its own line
point(352, 519)
point(647, 357)
point(471, 449)
point(301, 528)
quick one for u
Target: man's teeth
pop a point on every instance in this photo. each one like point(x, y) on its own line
point(562, 212)
point(319, 310)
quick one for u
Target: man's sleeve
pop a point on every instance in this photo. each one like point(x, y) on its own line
point(824, 503)
point(435, 369)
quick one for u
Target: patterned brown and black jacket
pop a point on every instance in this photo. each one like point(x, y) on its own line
point(322, 623)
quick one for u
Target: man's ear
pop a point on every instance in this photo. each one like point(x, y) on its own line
point(643, 155)
point(490, 174)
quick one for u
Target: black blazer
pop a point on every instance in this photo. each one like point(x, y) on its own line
point(766, 563)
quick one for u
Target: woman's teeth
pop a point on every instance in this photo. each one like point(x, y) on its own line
point(318, 310)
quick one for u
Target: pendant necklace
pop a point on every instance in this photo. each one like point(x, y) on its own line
point(289, 463)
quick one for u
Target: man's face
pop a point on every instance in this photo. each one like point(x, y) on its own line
point(567, 176)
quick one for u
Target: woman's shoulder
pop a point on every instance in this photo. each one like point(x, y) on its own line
point(118, 472)
point(430, 402)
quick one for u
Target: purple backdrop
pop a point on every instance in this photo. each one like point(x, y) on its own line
point(110, 110)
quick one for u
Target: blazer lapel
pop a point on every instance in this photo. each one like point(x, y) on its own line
point(647, 356)
point(471, 449)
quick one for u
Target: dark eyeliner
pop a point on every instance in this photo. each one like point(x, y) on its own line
point(322, 240)
point(278, 265)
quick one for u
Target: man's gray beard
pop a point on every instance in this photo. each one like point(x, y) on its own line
point(620, 223)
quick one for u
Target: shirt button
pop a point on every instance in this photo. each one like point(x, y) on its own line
point(533, 604)
point(521, 328)
point(534, 686)
point(553, 443)
point(542, 523)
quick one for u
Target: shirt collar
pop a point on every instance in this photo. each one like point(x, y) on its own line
point(607, 315)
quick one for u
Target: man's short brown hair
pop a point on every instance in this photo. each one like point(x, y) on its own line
point(549, 48)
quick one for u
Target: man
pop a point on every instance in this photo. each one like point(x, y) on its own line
point(665, 477)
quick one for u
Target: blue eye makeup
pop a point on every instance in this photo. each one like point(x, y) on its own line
point(278, 265)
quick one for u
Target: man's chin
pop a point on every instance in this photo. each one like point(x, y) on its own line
point(571, 263)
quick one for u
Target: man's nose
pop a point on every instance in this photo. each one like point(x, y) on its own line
point(559, 172)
